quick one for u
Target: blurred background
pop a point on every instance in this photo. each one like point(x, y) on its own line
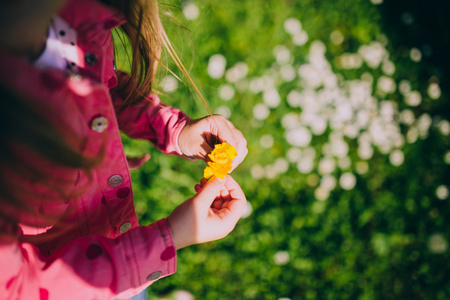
point(345, 106)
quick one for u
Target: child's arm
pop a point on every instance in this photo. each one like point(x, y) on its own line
point(152, 120)
point(102, 268)
point(89, 267)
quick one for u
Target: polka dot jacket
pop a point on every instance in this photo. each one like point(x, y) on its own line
point(96, 249)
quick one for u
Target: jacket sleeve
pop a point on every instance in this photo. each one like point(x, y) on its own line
point(152, 120)
point(91, 267)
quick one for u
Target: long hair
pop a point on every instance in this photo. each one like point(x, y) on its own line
point(143, 28)
point(148, 38)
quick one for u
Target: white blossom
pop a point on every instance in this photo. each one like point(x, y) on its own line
point(216, 66)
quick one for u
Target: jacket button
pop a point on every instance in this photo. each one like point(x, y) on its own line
point(154, 275)
point(125, 227)
point(91, 58)
point(115, 180)
point(99, 124)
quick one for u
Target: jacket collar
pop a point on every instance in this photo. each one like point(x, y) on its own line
point(85, 15)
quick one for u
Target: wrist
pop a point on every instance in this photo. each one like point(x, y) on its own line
point(182, 143)
point(178, 239)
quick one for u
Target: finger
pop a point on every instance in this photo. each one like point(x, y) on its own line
point(222, 130)
point(225, 195)
point(209, 192)
point(203, 181)
point(234, 189)
point(232, 210)
point(241, 149)
point(217, 204)
point(241, 145)
point(200, 185)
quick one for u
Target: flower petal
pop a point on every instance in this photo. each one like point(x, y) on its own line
point(221, 158)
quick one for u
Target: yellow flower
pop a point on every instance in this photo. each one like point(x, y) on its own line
point(221, 158)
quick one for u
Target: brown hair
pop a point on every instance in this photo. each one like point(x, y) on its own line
point(143, 29)
point(148, 38)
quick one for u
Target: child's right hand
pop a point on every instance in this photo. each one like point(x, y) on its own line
point(210, 215)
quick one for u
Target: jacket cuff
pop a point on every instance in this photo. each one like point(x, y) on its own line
point(148, 262)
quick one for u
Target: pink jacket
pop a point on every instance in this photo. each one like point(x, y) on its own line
point(96, 250)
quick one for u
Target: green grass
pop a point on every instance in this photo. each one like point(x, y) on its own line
point(385, 238)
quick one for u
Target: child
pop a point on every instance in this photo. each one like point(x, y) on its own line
point(68, 229)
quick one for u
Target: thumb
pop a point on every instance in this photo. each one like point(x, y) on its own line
point(210, 191)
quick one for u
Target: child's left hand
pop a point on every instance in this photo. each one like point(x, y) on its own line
point(198, 137)
point(208, 216)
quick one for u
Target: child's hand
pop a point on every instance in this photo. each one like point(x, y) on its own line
point(198, 138)
point(210, 215)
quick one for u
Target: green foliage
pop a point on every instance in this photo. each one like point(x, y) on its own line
point(377, 240)
point(122, 50)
